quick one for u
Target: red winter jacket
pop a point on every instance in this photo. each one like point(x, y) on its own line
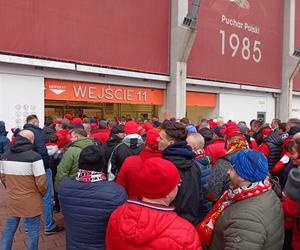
point(290, 209)
point(102, 135)
point(64, 137)
point(130, 167)
point(138, 225)
point(216, 150)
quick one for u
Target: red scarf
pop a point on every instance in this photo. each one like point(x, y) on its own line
point(206, 227)
point(88, 176)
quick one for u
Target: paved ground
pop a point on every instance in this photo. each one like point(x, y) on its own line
point(53, 242)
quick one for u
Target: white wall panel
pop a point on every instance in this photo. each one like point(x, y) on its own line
point(244, 107)
point(21, 96)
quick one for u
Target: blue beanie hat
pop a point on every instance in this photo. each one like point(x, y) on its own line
point(191, 129)
point(251, 165)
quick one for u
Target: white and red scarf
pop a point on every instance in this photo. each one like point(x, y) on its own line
point(206, 227)
point(88, 176)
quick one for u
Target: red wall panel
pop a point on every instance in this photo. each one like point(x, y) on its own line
point(297, 41)
point(240, 44)
point(130, 34)
point(297, 82)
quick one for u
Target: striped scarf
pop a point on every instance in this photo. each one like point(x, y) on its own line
point(88, 176)
point(206, 227)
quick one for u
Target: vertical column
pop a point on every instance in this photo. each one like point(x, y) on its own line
point(181, 42)
point(289, 62)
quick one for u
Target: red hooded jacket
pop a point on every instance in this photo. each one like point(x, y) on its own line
point(102, 135)
point(131, 166)
point(216, 150)
point(138, 225)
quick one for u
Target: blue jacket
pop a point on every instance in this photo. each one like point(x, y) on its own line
point(86, 208)
point(39, 143)
point(205, 168)
point(4, 142)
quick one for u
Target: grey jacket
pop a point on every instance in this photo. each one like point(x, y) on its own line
point(252, 224)
point(218, 181)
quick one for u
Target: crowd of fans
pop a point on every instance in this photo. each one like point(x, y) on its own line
point(136, 184)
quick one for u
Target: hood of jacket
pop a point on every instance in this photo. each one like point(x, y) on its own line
point(21, 144)
point(147, 153)
point(139, 226)
point(82, 143)
point(3, 131)
point(180, 153)
point(133, 141)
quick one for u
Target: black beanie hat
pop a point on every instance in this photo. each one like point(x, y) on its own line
point(117, 129)
point(294, 130)
point(92, 158)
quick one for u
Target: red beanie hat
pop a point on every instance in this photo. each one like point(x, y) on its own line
point(266, 131)
point(152, 138)
point(69, 117)
point(57, 121)
point(157, 178)
point(77, 121)
point(232, 131)
point(131, 127)
point(148, 126)
point(94, 126)
point(212, 124)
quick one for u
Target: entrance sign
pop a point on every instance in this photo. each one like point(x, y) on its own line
point(104, 93)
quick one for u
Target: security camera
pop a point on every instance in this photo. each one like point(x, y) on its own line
point(297, 53)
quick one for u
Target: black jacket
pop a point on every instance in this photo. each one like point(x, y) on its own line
point(131, 145)
point(109, 146)
point(274, 142)
point(39, 143)
point(188, 202)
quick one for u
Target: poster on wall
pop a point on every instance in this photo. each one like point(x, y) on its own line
point(21, 111)
point(239, 41)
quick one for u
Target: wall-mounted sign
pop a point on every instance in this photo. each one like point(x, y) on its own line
point(91, 92)
point(197, 99)
point(239, 41)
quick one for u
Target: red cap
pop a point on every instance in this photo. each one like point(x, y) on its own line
point(131, 127)
point(77, 121)
point(69, 117)
point(157, 178)
point(152, 138)
point(266, 131)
